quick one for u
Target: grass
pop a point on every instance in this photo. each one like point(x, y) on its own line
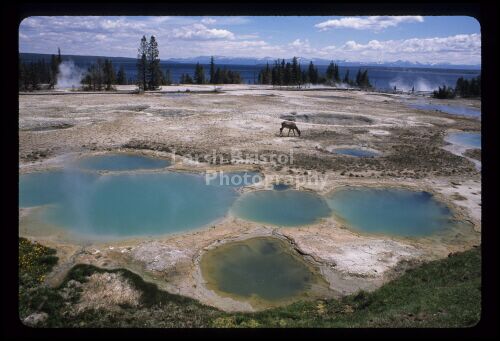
point(35, 261)
point(444, 293)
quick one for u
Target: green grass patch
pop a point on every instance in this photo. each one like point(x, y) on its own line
point(35, 261)
point(444, 293)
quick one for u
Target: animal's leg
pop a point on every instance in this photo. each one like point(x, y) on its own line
point(289, 131)
point(293, 132)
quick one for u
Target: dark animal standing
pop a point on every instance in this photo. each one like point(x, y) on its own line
point(291, 126)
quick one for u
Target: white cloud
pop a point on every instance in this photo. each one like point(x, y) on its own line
point(208, 21)
point(188, 37)
point(302, 47)
point(299, 43)
point(201, 32)
point(368, 23)
point(457, 49)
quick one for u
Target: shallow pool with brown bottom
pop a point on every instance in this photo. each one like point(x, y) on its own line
point(263, 271)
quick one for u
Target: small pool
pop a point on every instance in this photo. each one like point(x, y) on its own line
point(121, 162)
point(285, 208)
point(449, 109)
point(390, 211)
point(257, 269)
point(355, 152)
point(465, 139)
point(280, 187)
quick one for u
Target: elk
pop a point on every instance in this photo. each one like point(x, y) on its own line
point(291, 127)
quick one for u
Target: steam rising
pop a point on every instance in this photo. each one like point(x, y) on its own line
point(69, 75)
point(420, 84)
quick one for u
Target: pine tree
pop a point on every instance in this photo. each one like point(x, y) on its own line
point(366, 80)
point(54, 71)
point(330, 72)
point(304, 77)
point(346, 77)
point(468, 88)
point(167, 79)
point(313, 73)
point(142, 64)
point(282, 72)
point(358, 77)
point(121, 77)
point(336, 74)
point(199, 74)
point(153, 64)
point(276, 76)
point(296, 74)
point(444, 93)
point(287, 74)
point(267, 79)
point(109, 76)
point(218, 76)
point(33, 77)
point(362, 79)
point(212, 70)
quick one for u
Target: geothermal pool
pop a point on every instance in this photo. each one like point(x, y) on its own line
point(123, 204)
point(121, 162)
point(465, 139)
point(449, 109)
point(126, 203)
point(284, 208)
point(280, 187)
point(398, 212)
point(258, 268)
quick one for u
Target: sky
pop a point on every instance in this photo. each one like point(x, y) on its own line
point(424, 39)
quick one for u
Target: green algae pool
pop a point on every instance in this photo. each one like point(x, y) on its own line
point(261, 270)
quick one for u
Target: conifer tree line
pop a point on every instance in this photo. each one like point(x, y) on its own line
point(33, 74)
point(100, 76)
point(468, 88)
point(291, 73)
point(216, 75)
point(463, 88)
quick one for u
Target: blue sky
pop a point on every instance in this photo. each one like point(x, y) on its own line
point(453, 39)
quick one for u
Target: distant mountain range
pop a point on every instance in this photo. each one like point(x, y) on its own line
point(252, 61)
point(319, 61)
